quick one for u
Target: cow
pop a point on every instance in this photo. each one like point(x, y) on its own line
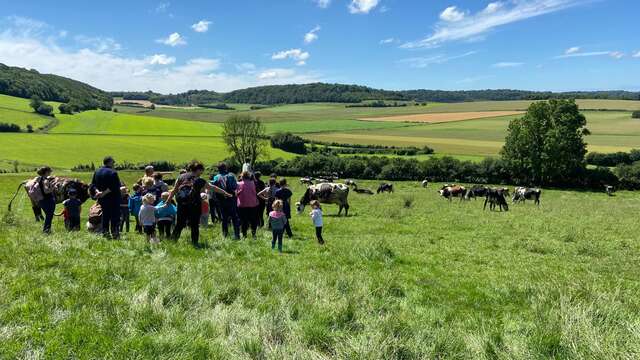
point(361, 191)
point(306, 181)
point(495, 197)
point(609, 190)
point(520, 194)
point(477, 191)
point(425, 183)
point(350, 182)
point(60, 187)
point(449, 191)
point(385, 187)
point(326, 193)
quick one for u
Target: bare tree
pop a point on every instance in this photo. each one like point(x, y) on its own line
point(245, 137)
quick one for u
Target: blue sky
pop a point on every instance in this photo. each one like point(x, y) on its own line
point(173, 46)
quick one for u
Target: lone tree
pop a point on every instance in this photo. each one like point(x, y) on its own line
point(40, 106)
point(547, 145)
point(245, 137)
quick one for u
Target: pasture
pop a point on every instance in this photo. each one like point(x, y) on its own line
point(435, 118)
point(408, 276)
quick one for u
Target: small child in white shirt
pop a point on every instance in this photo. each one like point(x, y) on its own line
point(316, 217)
point(147, 217)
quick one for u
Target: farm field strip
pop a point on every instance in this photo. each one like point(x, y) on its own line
point(435, 118)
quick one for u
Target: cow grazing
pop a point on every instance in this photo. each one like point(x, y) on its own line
point(610, 190)
point(449, 191)
point(61, 187)
point(477, 191)
point(385, 187)
point(425, 183)
point(306, 181)
point(326, 193)
point(520, 194)
point(363, 191)
point(350, 182)
point(497, 197)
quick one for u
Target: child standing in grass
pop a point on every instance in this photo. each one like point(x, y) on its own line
point(316, 217)
point(72, 209)
point(278, 221)
point(204, 210)
point(165, 216)
point(125, 215)
point(135, 202)
point(147, 217)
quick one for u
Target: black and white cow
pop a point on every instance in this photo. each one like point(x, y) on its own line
point(326, 193)
point(385, 187)
point(497, 197)
point(610, 190)
point(520, 194)
point(477, 191)
point(449, 191)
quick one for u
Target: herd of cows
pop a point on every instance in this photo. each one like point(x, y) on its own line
point(328, 192)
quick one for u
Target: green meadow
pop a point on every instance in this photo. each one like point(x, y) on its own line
point(406, 276)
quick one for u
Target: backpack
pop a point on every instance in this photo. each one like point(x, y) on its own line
point(95, 214)
point(34, 191)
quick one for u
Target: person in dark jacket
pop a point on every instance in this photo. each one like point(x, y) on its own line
point(228, 206)
point(48, 202)
point(105, 186)
point(284, 194)
point(187, 192)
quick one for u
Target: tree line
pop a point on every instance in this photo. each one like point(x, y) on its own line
point(354, 94)
point(76, 95)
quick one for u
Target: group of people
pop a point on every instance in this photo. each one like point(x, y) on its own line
point(240, 203)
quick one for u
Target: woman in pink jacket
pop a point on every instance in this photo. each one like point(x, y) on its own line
point(247, 204)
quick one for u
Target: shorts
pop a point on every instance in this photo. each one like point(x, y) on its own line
point(149, 229)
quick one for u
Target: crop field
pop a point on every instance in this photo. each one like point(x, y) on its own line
point(435, 118)
point(610, 131)
point(407, 275)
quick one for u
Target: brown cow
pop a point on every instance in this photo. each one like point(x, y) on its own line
point(450, 191)
point(61, 187)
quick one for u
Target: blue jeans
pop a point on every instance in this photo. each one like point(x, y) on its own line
point(277, 236)
point(48, 206)
point(229, 212)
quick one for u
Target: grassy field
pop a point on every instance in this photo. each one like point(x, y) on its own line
point(66, 151)
point(432, 280)
point(610, 131)
point(17, 111)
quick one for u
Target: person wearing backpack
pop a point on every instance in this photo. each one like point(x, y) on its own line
point(187, 192)
point(106, 187)
point(228, 206)
point(47, 201)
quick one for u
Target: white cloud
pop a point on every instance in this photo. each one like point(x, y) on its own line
point(246, 66)
point(577, 53)
point(312, 35)
point(298, 55)
point(474, 26)
point(507, 64)
point(423, 62)
point(616, 54)
point(451, 14)
point(173, 40)
point(572, 50)
point(98, 44)
point(161, 59)
point(111, 71)
point(362, 6)
point(63, 33)
point(163, 7)
point(201, 26)
point(322, 3)
point(636, 54)
point(387, 41)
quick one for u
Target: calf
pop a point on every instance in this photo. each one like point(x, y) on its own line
point(450, 191)
point(496, 197)
point(385, 187)
point(520, 194)
point(609, 190)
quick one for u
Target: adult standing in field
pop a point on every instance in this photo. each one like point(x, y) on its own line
point(187, 192)
point(260, 186)
point(228, 206)
point(247, 204)
point(284, 194)
point(47, 202)
point(105, 186)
